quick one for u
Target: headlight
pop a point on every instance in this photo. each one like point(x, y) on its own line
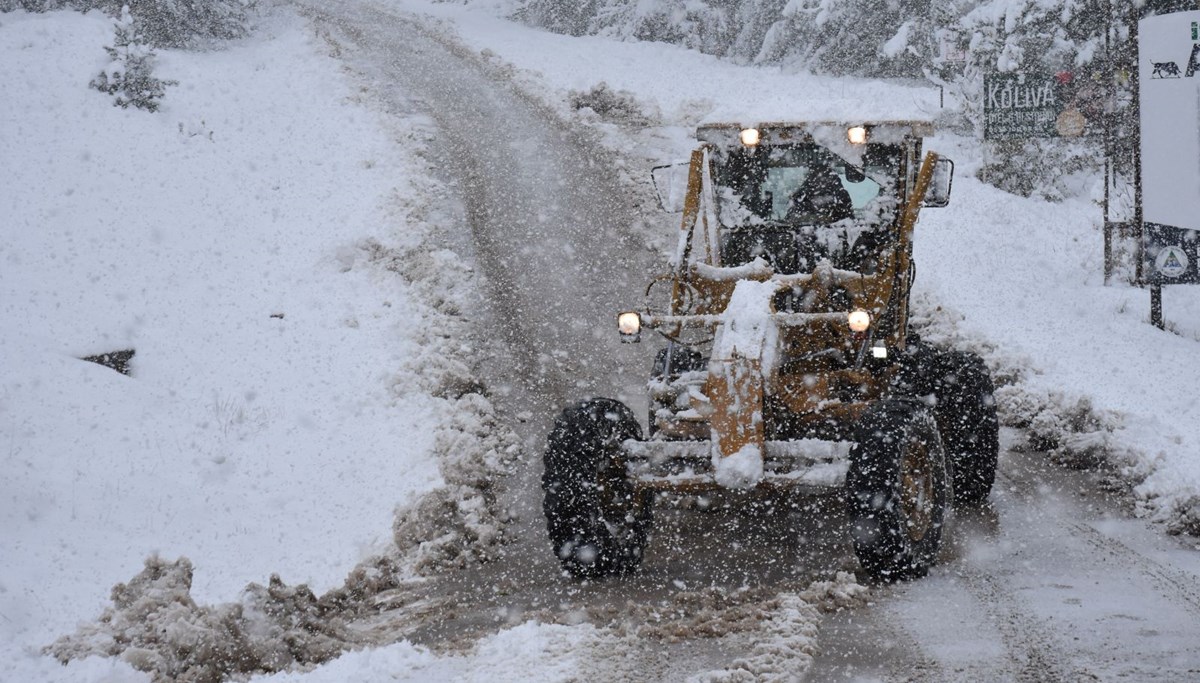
point(859, 320)
point(750, 137)
point(857, 135)
point(630, 326)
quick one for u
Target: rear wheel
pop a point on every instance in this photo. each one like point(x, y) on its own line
point(966, 416)
point(597, 523)
point(897, 490)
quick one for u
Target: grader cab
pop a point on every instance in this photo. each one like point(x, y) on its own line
point(789, 362)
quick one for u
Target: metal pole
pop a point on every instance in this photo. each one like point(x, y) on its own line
point(1110, 116)
point(1135, 83)
point(1156, 316)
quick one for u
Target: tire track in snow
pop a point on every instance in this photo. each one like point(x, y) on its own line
point(1052, 582)
point(1031, 645)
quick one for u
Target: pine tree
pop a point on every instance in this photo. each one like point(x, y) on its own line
point(128, 76)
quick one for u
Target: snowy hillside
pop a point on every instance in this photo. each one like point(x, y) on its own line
point(259, 242)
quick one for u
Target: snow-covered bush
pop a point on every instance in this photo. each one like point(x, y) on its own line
point(128, 77)
point(611, 105)
point(185, 23)
point(163, 23)
point(1048, 168)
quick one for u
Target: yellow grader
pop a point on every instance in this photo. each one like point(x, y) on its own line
point(789, 363)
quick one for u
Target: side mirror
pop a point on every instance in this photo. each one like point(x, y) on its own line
point(670, 182)
point(939, 186)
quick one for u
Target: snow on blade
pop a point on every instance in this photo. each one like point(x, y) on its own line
point(750, 333)
point(749, 330)
point(742, 470)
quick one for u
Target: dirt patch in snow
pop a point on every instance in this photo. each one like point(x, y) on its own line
point(714, 612)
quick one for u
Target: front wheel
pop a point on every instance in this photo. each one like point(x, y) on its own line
point(596, 521)
point(966, 415)
point(897, 490)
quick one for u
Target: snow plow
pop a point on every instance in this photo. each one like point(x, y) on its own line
point(789, 363)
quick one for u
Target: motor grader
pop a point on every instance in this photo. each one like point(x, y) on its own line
point(788, 362)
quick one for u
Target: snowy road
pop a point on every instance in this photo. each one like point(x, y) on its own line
point(543, 217)
point(1055, 583)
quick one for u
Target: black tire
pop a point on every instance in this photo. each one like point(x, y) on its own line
point(597, 524)
point(966, 416)
point(897, 490)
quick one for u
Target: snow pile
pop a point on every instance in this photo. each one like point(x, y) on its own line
point(461, 521)
point(749, 331)
point(1089, 378)
point(788, 642)
point(742, 470)
point(783, 651)
point(612, 105)
point(528, 652)
point(155, 626)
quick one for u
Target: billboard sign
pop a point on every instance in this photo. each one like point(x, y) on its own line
point(1169, 85)
point(1017, 106)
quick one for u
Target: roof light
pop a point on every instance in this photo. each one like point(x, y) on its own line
point(750, 137)
point(857, 135)
point(859, 320)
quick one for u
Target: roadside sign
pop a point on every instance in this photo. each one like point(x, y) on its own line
point(1041, 105)
point(1171, 256)
point(1019, 105)
point(1169, 92)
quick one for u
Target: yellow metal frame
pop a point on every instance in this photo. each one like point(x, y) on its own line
point(736, 387)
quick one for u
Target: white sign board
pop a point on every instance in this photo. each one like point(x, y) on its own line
point(1169, 73)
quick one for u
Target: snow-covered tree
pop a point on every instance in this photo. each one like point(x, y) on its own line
point(128, 77)
point(164, 23)
point(187, 23)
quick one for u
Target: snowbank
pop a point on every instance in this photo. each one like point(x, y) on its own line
point(1021, 281)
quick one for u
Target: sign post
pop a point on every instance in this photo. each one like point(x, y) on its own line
point(1169, 103)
